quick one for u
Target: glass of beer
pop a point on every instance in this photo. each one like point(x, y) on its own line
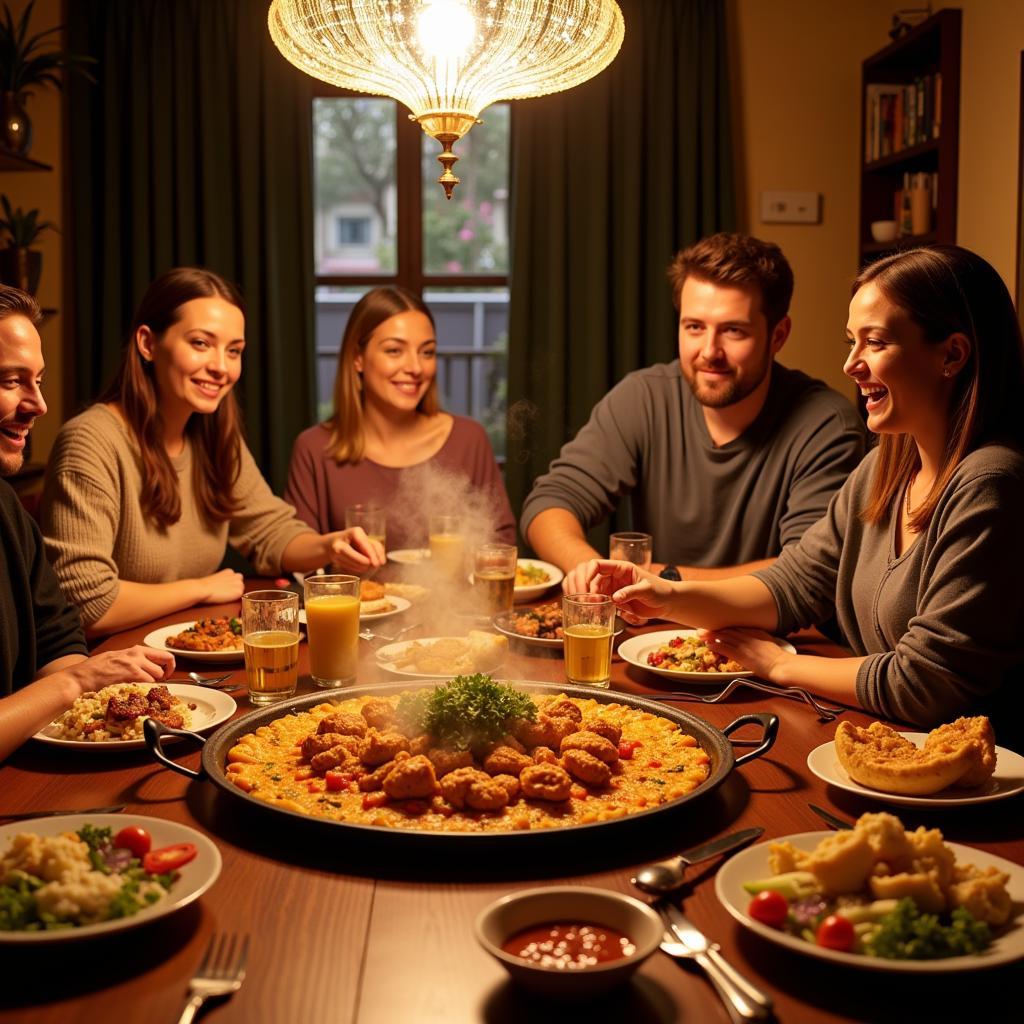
point(332, 618)
point(631, 547)
point(588, 624)
point(494, 577)
point(270, 639)
point(371, 518)
point(448, 547)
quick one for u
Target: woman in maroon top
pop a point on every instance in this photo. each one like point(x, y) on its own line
point(388, 443)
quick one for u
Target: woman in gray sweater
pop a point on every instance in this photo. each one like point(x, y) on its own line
point(920, 555)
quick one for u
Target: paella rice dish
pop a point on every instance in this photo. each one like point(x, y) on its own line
point(117, 713)
point(224, 634)
point(469, 756)
point(690, 654)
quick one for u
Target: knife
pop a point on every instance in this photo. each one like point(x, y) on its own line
point(829, 818)
point(24, 815)
point(666, 875)
point(743, 998)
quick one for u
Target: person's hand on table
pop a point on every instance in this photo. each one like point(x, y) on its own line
point(222, 587)
point(132, 665)
point(753, 649)
point(638, 594)
point(353, 551)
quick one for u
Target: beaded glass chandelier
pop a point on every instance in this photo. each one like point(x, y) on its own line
point(447, 60)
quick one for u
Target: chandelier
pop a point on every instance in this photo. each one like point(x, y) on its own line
point(447, 60)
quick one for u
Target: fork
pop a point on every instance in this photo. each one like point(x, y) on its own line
point(220, 974)
point(368, 634)
point(196, 679)
point(791, 692)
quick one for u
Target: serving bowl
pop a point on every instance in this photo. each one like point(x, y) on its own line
point(530, 908)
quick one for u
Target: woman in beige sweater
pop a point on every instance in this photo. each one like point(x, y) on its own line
point(919, 555)
point(145, 488)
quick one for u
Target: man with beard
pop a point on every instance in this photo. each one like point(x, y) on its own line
point(726, 455)
point(43, 655)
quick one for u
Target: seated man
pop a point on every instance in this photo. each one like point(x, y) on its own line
point(726, 455)
point(42, 649)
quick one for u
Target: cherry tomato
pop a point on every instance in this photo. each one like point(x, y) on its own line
point(770, 908)
point(835, 932)
point(168, 858)
point(133, 838)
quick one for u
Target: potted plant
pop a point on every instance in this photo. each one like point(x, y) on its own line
point(24, 64)
point(21, 265)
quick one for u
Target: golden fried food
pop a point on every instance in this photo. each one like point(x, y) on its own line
point(881, 758)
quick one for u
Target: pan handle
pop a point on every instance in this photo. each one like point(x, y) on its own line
point(770, 724)
point(154, 730)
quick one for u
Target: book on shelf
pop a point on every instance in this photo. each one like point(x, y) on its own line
point(899, 116)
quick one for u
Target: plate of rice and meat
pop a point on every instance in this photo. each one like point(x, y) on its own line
point(213, 639)
point(112, 718)
point(682, 654)
point(538, 627)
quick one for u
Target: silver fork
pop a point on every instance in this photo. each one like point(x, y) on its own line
point(197, 680)
point(790, 692)
point(221, 973)
point(368, 634)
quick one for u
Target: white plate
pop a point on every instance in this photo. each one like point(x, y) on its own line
point(1007, 779)
point(752, 863)
point(535, 590)
point(402, 645)
point(400, 603)
point(158, 639)
point(212, 708)
point(501, 624)
point(636, 648)
point(196, 877)
point(409, 556)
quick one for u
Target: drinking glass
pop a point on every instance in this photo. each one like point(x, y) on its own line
point(447, 547)
point(588, 624)
point(371, 518)
point(332, 618)
point(631, 547)
point(270, 640)
point(494, 577)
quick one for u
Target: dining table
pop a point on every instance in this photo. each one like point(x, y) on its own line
point(346, 935)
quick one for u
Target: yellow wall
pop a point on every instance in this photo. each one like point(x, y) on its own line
point(44, 191)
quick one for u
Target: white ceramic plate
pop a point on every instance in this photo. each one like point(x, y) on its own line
point(400, 603)
point(158, 639)
point(502, 623)
point(1007, 779)
point(196, 877)
point(752, 863)
point(535, 590)
point(409, 556)
point(636, 648)
point(212, 708)
point(401, 646)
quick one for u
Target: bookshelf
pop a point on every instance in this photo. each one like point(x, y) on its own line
point(910, 134)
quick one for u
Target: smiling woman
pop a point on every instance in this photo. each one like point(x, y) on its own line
point(146, 487)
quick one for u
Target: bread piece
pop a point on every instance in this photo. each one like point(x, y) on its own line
point(488, 649)
point(370, 590)
point(376, 607)
point(410, 591)
point(975, 733)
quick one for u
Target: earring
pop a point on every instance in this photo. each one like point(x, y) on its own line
point(947, 372)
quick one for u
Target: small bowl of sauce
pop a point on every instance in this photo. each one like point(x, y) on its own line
point(569, 942)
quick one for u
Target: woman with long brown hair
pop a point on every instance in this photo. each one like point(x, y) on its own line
point(920, 554)
point(388, 443)
point(146, 487)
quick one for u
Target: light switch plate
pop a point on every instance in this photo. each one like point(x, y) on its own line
point(786, 207)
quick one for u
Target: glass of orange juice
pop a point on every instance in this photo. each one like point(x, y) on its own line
point(448, 547)
point(332, 618)
point(270, 640)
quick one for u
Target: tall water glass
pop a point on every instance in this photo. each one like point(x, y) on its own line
point(588, 625)
point(270, 640)
point(372, 518)
point(332, 618)
point(631, 547)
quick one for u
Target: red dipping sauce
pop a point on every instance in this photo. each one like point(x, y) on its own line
point(569, 945)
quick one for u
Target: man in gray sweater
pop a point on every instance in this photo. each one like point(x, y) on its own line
point(726, 455)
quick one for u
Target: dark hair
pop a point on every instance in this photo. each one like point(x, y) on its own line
point(947, 290)
point(347, 442)
point(217, 437)
point(739, 261)
point(15, 302)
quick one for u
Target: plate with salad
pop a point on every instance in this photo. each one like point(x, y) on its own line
point(104, 873)
point(858, 929)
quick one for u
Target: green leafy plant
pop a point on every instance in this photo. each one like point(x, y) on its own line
point(23, 61)
point(19, 227)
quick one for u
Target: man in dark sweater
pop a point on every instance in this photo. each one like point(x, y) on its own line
point(726, 455)
point(42, 650)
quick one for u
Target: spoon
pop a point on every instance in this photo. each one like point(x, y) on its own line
point(667, 875)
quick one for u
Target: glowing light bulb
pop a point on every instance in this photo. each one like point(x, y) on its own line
point(446, 29)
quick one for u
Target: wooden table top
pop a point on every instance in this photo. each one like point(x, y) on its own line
point(392, 941)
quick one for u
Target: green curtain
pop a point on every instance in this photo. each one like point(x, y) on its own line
point(194, 148)
point(610, 180)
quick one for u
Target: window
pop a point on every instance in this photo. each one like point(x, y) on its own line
point(380, 217)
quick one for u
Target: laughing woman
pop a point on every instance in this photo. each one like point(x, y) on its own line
point(388, 443)
point(146, 488)
point(920, 554)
